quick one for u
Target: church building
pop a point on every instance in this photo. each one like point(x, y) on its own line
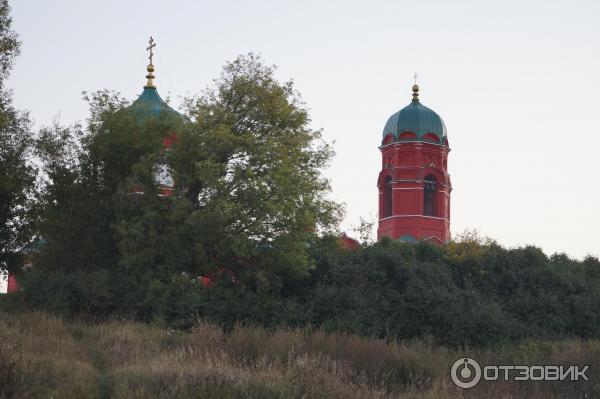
point(414, 184)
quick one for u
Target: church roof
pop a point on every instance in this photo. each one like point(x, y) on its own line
point(415, 118)
point(150, 105)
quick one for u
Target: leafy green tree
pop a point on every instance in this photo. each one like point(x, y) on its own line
point(248, 198)
point(249, 192)
point(17, 172)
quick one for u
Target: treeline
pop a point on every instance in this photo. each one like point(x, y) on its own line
point(469, 293)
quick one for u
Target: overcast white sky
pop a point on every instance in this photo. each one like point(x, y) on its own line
point(516, 82)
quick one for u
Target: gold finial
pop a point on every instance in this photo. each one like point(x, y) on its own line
point(150, 68)
point(415, 89)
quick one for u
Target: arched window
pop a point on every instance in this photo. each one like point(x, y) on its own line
point(387, 196)
point(429, 196)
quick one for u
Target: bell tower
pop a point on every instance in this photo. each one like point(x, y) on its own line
point(414, 184)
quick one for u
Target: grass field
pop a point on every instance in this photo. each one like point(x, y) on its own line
point(42, 356)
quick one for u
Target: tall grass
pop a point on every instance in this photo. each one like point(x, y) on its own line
point(43, 356)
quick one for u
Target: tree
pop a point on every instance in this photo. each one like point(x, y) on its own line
point(249, 189)
point(17, 172)
point(248, 196)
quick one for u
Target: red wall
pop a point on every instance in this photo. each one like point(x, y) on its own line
point(13, 286)
point(408, 163)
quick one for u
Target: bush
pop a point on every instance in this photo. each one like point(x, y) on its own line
point(466, 294)
point(89, 293)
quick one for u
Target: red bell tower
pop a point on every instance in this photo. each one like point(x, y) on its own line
point(414, 184)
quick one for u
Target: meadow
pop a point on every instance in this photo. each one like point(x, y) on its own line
point(46, 356)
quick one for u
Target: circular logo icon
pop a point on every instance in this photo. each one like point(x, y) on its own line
point(465, 373)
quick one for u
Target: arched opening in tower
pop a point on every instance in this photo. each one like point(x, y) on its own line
point(429, 196)
point(387, 196)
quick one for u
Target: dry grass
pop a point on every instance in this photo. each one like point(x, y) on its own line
point(42, 356)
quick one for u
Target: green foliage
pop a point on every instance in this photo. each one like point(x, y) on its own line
point(9, 42)
point(407, 291)
point(89, 293)
point(247, 201)
point(248, 168)
point(17, 172)
point(487, 296)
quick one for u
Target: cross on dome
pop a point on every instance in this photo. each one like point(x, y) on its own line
point(150, 68)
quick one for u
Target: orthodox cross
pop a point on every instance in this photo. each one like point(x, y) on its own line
point(416, 76)
point(150, 47)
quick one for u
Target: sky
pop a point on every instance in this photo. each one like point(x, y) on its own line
point(517, 84)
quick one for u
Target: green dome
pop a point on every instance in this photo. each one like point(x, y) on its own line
point(150, 105)
point(416, 118)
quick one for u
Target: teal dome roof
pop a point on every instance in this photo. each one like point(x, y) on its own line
point(150, 105)
point(416, 118)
